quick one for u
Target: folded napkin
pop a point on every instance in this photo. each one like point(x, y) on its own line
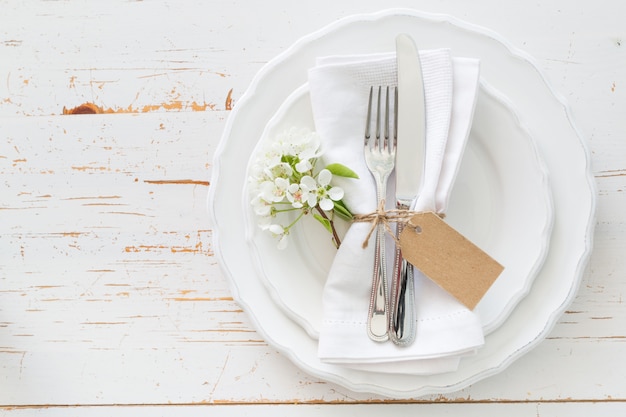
point(446, 329)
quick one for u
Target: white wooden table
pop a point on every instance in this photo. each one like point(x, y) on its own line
point(111, 300)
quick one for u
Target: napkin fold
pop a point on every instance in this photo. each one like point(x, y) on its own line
point(446, 329)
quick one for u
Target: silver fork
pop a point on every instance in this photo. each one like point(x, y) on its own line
point(380, 155)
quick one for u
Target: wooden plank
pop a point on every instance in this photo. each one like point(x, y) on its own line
point(569, 409)
point(111, 294)
point(126, 57)
point(109, 291)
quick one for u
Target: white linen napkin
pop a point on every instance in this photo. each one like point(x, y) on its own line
point(446, 329)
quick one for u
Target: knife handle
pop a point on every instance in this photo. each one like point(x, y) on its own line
point(402, 325)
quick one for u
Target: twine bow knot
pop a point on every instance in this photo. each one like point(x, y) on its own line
point(386, 217)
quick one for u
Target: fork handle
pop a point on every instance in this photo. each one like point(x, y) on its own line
point(378, 316)
point(402, 325)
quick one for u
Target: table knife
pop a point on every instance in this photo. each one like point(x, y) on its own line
point(410, 153)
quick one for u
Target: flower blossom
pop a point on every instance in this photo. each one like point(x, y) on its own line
point(283, 184)
point(321, 192)
point(279, 232)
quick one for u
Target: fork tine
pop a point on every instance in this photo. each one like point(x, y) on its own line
point(368, 120)
point(378, 143)
point(387, 128)
point(386, 144)
point(395, 117)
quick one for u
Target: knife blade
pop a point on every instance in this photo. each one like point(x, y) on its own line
point(410, 154)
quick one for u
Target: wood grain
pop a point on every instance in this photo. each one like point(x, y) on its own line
point(111, 299)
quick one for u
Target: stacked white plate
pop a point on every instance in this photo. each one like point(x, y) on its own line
point(524, 194)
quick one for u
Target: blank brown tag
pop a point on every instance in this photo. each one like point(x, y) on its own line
point(448, 258)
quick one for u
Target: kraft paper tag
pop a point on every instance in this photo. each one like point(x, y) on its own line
point(448, 258)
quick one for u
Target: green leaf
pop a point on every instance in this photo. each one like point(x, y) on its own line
point(342, 211)
point(341, 171)
point(325, 222)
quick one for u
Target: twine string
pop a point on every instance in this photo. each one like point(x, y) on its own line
point(386, 217)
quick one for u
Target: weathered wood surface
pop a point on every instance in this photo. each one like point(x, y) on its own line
point(110, 295)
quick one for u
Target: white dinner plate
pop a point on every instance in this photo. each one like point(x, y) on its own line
point(539, 108)
point(502, 179)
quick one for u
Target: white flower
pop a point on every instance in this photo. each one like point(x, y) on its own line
point(324, 177)
point(274, 191)
point(269, 156)
point(278, 231)
point(309, 184)
point(335, 193)
point(282, 182)
point(261, 206)
point(264, 222)
point(310, 147)
point(321, 191)
point(300, 142)
point(326, 203)
point(304, 166)
point(281, 169)
point(297, 195)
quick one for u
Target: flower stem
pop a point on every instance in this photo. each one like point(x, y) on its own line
point(295, 221)
point(286, 210)
point(336, 239)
